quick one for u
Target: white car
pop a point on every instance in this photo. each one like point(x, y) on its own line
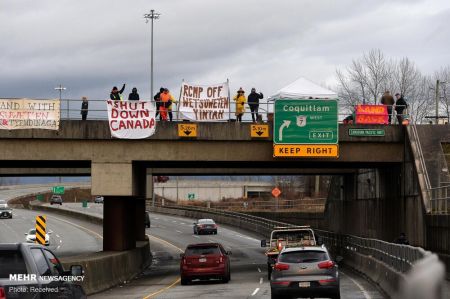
point(31, 237)
point(3, 203)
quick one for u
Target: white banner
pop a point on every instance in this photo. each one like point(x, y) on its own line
point(29, 114)
point(205, 102)
point(131, 119)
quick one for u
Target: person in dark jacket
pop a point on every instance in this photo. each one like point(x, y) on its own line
point(157, 99)
point(400, 106)
point(402, 239)
point(253, 102)
point(116, 94)
point(84, 108)
point(133, 96)
point(388, 100)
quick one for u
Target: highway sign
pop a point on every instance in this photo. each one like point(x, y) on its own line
point(259, 131)
point(366, 132)
point(276, 192)
point(40, 197)
point(305, 121)
point(58, 190)
point(187, 130)
point(306, 150)
point(40, 229)
point(191, 196)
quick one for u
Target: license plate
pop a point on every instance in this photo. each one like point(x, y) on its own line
point(202, 260)
point(304, 284)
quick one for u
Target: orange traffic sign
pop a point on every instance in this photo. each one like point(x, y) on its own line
point(259, 131)
point(276, 192)
point(187, 130)
point(306, 150)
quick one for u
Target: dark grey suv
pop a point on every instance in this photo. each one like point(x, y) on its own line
point(305, 272)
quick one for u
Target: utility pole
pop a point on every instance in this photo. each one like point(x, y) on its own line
point(437, 101)
point(152, 16)
point(61, 88)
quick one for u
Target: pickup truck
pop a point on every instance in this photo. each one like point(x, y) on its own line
point(33, 271)
point(281, 237)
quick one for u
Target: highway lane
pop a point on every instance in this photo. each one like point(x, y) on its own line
point(69, 236)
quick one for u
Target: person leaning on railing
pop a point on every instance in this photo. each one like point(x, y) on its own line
point(116, 94)
point(400, 107)
point(388, 100)
point(84, 108)
point(240, 104)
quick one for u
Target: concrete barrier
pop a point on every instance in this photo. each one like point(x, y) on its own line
point(104, 269)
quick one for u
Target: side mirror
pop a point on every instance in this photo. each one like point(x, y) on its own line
point(339, 259)
point(263, 243)
point(76, 270)
point(181, 255)
point(229, 252)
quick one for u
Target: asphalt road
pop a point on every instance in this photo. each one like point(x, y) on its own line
point(69, 236)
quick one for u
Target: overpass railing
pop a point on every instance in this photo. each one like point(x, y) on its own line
point(399, 257)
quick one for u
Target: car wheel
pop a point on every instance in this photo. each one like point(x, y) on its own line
point(184, 281)
point(269, 272)
point(275, 295)
point(337, 295)
point(51, 204)
point(226, 278)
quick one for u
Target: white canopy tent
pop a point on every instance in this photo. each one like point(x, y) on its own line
point(303, 89)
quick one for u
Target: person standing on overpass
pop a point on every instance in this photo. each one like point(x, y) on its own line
point(116, 94)
point(253, 102)
point(84, 108)
point(133, 96)
point(388, 100)
point(240, 102)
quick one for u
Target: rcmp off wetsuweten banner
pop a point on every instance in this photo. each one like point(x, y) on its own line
point(29, 114)
point(131, 120)
point(205, 102)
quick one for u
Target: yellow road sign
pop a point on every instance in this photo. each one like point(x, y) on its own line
point(40, 229)
point(187, 130)
point(306, 150)
point(259, 131)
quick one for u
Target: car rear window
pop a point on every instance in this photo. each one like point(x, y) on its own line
point(304, 256)
point(202, 250)
point(206, 221)
point(11, 262)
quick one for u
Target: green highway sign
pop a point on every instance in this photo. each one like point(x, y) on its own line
point(191, 196)
point(40, 197)
point(366, 132)
point(302, 121)
point(58, 190)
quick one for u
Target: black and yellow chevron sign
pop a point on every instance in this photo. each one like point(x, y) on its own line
point(40, 229)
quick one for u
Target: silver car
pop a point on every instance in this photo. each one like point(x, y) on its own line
point(305, 272)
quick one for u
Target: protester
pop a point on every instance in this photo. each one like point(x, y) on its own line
point(116, 95)
point(84, 108)
point(157, 99)
point(240, 102)
point(402, 239)
point(400, 106)
point(133, 96)
point(166, 102)
point(253, 102)
point(388, 100)
point(169, 109)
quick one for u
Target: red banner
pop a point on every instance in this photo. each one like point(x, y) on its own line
point(371, 114)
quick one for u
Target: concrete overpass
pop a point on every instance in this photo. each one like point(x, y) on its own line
point(119, 168)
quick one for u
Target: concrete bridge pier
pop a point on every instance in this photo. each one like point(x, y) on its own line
point(123, 185)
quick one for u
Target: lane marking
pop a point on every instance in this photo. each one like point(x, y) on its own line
point(58, 236)
point(178, 231)
point(360, 287)
point(196, 236)
point(60, 241)
point(58, 247)
point(259, 270)
point(163, 289)
point(167, 243)
point(261, 280)
point(255, 291)
point(79, 226)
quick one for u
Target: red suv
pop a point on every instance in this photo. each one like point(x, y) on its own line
point(205, 261)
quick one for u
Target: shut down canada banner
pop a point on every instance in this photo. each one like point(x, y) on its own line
point(131, 120)
point(29, 114)
point(205, 102)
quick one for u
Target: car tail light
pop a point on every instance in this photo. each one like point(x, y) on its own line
point(281, 267)
point(221, 260)
point(215, 226)
point(2, 293)
point(184, 261)
point(326, 281)
point(282, 283)
point(326, 265)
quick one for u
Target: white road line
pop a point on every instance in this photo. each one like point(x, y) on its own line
point(182, 223)
point(60, 241)
point(178, 231)
point(211, 241)
point(156, 218)
point(58, 247)
point(366, 295)
point(58, 236)
point(261, 280)
point(255, 291)
point(196, 236)
point(259, 270)
point(174, 221)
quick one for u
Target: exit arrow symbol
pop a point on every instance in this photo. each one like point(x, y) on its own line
point(187, 132)
point(259, 133)
point(285, 124)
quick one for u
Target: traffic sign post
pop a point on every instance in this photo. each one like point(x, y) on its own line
point(58, 190)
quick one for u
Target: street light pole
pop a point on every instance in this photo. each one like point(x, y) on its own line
point(61, 88)
point(437, 102)
point(152, 16)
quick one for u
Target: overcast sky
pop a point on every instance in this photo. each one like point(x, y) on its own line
point(90, 46)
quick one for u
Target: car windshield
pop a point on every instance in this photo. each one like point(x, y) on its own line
point(2, 201)
point(304, 256)
point(12, 263)
point(32, 232)
point(4, 208)
point(202, 250)
point(206, 221)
